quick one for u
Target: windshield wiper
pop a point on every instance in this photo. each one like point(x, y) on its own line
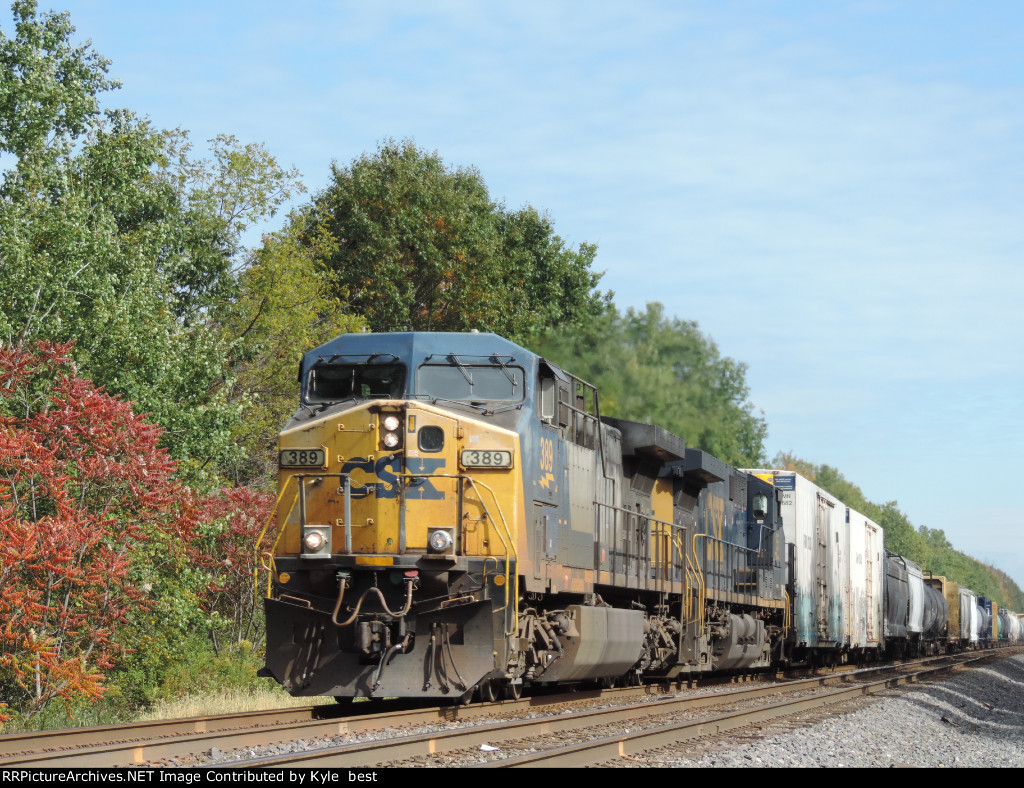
point(463, 370)
point(503, 408)
point(481, 408)
point(504, 369)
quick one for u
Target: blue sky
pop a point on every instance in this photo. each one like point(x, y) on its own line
point(833, 191)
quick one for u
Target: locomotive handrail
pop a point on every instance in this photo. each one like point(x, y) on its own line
point(508, 545)
point(700, 585)
point(263, 531)
point(731, 549)
point(510, 588)
point(300, 479)
point(644, 563)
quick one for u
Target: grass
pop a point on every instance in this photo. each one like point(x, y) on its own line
point(228, 701)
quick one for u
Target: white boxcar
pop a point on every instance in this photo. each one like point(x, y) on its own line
point(864, 587)
point(837, 567)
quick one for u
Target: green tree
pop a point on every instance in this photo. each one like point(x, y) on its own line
point(48, 88)
point(414, 244)
point(663, 371)
point(112, 235)
point(284, 306)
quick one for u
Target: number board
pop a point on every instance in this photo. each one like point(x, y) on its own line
point(482, 458)
point(303, 458)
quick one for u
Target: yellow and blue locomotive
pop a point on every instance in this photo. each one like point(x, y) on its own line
point(454, 515)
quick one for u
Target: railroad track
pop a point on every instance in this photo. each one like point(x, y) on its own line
point(157, 742)
point(197, 741)
point(582, 738)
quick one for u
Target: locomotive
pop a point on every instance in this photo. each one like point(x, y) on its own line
point(456, 519)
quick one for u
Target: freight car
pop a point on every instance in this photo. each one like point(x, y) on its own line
point(455, 516)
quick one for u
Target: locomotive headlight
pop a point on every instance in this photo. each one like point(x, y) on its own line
point(391, 437)
point(316, 541)
point(440, 540)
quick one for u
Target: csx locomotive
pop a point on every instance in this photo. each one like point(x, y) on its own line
point(455, 516)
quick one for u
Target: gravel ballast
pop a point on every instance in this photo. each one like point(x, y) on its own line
point(973, 719)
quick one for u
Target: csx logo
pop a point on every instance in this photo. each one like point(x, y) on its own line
point(386, 471)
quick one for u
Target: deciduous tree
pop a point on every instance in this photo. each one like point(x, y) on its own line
point(414, 244)
point(231, 520)
point(113, 235)
point(663, 371)
point(283, 307)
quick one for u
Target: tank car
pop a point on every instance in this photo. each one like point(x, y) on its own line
point(454, 515)
point(917, 613)
point(936, 618)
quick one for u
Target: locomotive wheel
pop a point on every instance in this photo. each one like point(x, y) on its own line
point(466, 697)
point(512, 691)
point(488, 691)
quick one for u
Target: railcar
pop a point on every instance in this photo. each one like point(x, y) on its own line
point(835, 577)
point(455, 518)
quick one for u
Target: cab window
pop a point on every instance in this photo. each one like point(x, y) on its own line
point(336, 382)
point(471, 383)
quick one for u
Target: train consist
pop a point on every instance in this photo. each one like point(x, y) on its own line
point(456, 518)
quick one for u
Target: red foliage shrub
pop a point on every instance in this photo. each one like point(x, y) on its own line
point(82, 483)
point(232, 519)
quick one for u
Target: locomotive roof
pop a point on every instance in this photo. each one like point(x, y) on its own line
point(417, 346)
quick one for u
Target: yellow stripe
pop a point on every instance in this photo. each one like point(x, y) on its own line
point(375, 560)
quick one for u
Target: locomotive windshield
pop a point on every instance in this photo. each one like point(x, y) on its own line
point(335, 382)
point(471, 382)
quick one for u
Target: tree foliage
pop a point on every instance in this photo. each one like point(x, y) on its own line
point(413, 244)
point(282, 308)
point(48, 88)
point(231, 520)
point(115, 237)
point(663, 371)
point(83, 483)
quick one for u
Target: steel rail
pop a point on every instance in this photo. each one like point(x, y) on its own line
point(609, 748)
point(142, 742)
point(403, 747)
point(137, 743)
